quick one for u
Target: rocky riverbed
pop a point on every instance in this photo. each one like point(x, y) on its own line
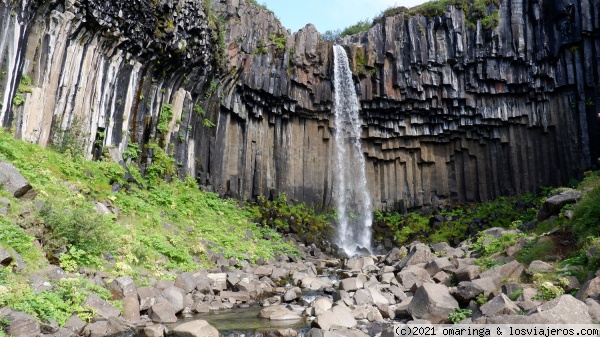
point(359, 296)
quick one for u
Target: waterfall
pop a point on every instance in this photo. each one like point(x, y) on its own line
point(353, 198)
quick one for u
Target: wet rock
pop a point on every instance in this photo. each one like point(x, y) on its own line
point(432, 302)
point(338, 315)
point(292, 294)
point(12, 181)
point(278, 313)
point(196, 328)
point(101, 307)
point(156, 330)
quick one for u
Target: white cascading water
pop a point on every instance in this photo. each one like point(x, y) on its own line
point(353, 198)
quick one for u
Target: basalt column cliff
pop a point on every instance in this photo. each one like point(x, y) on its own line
point(451, 110)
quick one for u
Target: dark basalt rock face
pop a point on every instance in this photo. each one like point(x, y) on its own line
point(451, 113)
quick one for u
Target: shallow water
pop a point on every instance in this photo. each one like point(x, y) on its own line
point(245, 322)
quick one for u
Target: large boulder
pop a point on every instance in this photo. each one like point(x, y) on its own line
point(554, 204)
point(591, 288)
point(500, 305)
point(432, 302)
point(186, 281)
point(162, 312)
point(122, 287)
point(565, 309)
point(418, 253)
point(412, 277)
point(197, 328)
point(101, 307)
point(337, 316)
point(147, 296)
point(175, 296)
point(13, 181)
point(21, 324)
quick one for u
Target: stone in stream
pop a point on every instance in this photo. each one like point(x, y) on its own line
point(278, 313)
point(162, 312)
point(292, 294)
point(197, 328)
point(339, 315)
point(156, 330)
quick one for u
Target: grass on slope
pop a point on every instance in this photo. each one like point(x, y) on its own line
point(159, 227)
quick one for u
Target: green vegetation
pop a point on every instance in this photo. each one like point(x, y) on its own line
point(285, 216)
point(60, 303)
point(587, 212)
point(460, 221)
point(261, 49)
point(18, 99)
point(549, 286)
point(166, 115)
point(161, 225)
point(279, 41)
point(459, 314)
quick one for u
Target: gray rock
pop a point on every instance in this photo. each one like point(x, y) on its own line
point(21, 324)
point(292, 294)
point(131, 309)
point(218, 281)
point(176, 297)
point(96, 329)
point(437, 265)
point(412, 277)
point(156, 330)
point(337, 316)
point(261, 271)
point(101, 307)
point(186, 281)
point(122, 287)
point(278, 313)
point(554, 204)
point(500, 305)
point(593, 309)
point(510, 271)
point(239, 296)
point(395, 255)
point(418, 253)
point(590, 289)
point(5, 258)
point(432, 302)
point(466, 291)
point(363, 296)
point(321, 305)
point(13, 182)
point(467, 273)
point(196, 328)
point(359, 263)
point(351, 284)
point(162, 312)
point(147, 296)
point(64, 332)
point(537, 266)
point(75, 324)
point(554, 312)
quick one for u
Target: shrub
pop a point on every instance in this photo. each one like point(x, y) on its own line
point(586, 215)
point(360, 26)
point(79, 227)
point(459, 314)
point(283, 215)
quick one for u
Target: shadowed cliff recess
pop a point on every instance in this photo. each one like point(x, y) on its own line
point(454, 108)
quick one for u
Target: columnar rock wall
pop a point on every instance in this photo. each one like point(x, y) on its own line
point(449, 112)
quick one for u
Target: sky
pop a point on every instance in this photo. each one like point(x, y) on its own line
point(330, 14)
